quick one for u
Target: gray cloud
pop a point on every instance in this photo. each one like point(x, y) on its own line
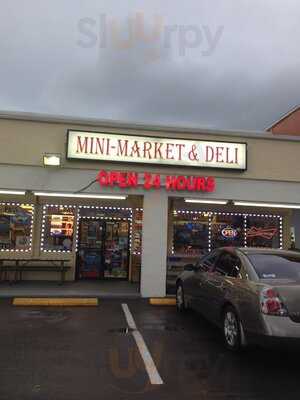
point(248, 79)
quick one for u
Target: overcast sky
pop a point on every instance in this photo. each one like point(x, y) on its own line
point(209, 63)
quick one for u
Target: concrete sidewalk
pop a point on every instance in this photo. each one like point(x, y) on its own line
point(103, 289)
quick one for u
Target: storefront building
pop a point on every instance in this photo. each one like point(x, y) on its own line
point(129, 202)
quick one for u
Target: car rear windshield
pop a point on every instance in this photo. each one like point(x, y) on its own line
point(276, 266)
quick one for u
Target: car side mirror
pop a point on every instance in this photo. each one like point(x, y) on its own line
point(189, 267)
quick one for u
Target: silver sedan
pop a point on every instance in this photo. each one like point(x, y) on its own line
point(252, 294)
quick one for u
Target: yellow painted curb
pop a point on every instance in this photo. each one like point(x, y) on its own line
point(162, 301)
point(48, 301)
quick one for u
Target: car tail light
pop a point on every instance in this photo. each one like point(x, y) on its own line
point(271, 303)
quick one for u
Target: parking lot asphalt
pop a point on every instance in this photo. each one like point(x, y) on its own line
point(88, 353)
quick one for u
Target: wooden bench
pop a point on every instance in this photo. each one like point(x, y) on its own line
point(20, 265)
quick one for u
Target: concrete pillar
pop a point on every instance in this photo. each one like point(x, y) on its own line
point(154, 244)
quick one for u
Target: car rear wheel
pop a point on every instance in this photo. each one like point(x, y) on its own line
point(180, 301)
point(232, 329)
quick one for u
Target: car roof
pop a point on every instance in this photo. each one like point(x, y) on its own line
point(260, 250)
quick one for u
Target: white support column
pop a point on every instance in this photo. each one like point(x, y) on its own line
point(295, 223)
point(154, 252)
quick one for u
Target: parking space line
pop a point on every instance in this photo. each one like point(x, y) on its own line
point(151, 369)
point(129, 317)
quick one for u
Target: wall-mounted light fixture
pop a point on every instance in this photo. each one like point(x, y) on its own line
point(201, 201)
point(81, 195)
point(268, 205)
point(14, 192)
point(52, 160)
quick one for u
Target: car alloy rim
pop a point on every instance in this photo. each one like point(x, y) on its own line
point(230, 328)
point(179, 296)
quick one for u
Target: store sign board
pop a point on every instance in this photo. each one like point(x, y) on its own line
point(150, 181)
point(156, 150)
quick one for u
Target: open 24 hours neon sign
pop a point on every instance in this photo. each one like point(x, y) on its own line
point(150, 181)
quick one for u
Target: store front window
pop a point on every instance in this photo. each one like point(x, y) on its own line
point(227, 229)
point(264, 231)
point(190, 240)
point(103, 250)
point(195, 233)
point(190, 234)
point(16, 227)
point(58, 228)
point(104, 241)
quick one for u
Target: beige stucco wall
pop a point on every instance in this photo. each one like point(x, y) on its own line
point(272, 163)
point(24, 142)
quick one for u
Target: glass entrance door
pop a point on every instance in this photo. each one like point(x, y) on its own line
point(103, 249)
point(116, 249)
point(90, 261)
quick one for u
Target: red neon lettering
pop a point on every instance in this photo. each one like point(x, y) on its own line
point(147, 181)
point(103, 178)
point(151, 181)
point(113, 178)
point(156, 181)
point(201, 184)
point(181, 182)
point(133, 179)
point(170, 182)
point(190, 183)
point(122, 180)
point(210, 184)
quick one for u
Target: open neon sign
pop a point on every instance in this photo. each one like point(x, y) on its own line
point(150, 181)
